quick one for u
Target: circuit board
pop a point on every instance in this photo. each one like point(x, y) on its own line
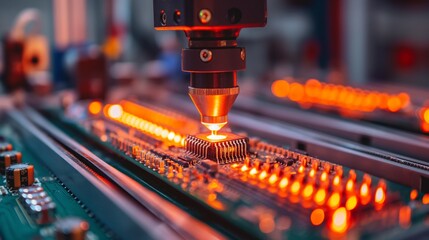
point(239, 185)
point(269, 192)
point(14, 210)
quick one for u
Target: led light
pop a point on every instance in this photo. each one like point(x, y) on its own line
point(115, 111)
point(280, 88)
point(425, 115)
point(351, 203)
point(317, 217)
point(312, 173)
point(308, 190)
point(283, 183)
point(336, 180)
point(414, 194)
point(349, 185)
point(273, 179)
point(339, 220)
point(171, 136)
point(380, 195)
point(244, 168)
point(263, 175)
point(324, 176)
point(364, 193)
point(320, 196)
point(334, 200)
point(294, 188)
point(364, 190)
point(253, 172)
point(425, 199)
point(405, 216)
point(95, 107)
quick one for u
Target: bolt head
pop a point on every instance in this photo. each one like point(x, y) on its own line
point(205, 16)
point(243, 54)
point(206, 55)
point(163, 18)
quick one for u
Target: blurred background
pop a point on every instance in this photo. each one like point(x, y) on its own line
point(380, 46)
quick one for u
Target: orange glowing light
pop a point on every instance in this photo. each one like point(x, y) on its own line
point(294, 188)
point(424, 127)
point(301, 169)
point(350, 185)
point(336, 180)
point(95, 107)
point(280, 88)
point(380, 195)
point(394, 104)
point(312, 88)
point(340, 96)
point(405, 216)
point(324, 176)
point(115, 111)
point(334, 200)
point(414, 194)
point(320, 196)
point(283, 183)
point(244, 168)
point(426, 115)
point(273, 179)
point(351, 203)
point(317, 217)
point(177, 138)
point(425, 199)
point(253, 172)
point(216, 137)
point(312, 173)
point(296, 92)
point(339, 222)
point(364, 190)
point(263, 175)
point(214, 127)
point(171, 136)
point(405, 99)
point(308, 190)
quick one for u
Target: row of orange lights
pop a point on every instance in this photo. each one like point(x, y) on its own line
point(316, 92)
point(319, 196)
point(116, 112)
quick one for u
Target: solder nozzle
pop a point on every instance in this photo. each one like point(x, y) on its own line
point(213, 104)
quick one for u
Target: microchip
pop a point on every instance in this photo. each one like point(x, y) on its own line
point(232, 148)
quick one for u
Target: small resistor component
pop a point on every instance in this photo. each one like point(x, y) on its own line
point(8, 158)
point(4, 147)
point(42, 213)
point(19, 175)
point(71, 228)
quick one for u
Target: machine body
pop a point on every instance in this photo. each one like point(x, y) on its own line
point(212, 57)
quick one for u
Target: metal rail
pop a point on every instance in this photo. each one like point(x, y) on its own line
point(106, 191)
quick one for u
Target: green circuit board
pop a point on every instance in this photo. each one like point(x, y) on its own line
point(16, 222)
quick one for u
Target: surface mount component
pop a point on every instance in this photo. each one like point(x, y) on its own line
point(213, 58)
point(227, 148)
point(8, 158)
point(4, 146)
point(18, 175)
point(71, 228)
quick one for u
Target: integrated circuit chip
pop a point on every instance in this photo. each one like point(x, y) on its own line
point(231, 148)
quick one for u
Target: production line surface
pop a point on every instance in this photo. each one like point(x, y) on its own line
point(271, 192)
point(239, 185)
